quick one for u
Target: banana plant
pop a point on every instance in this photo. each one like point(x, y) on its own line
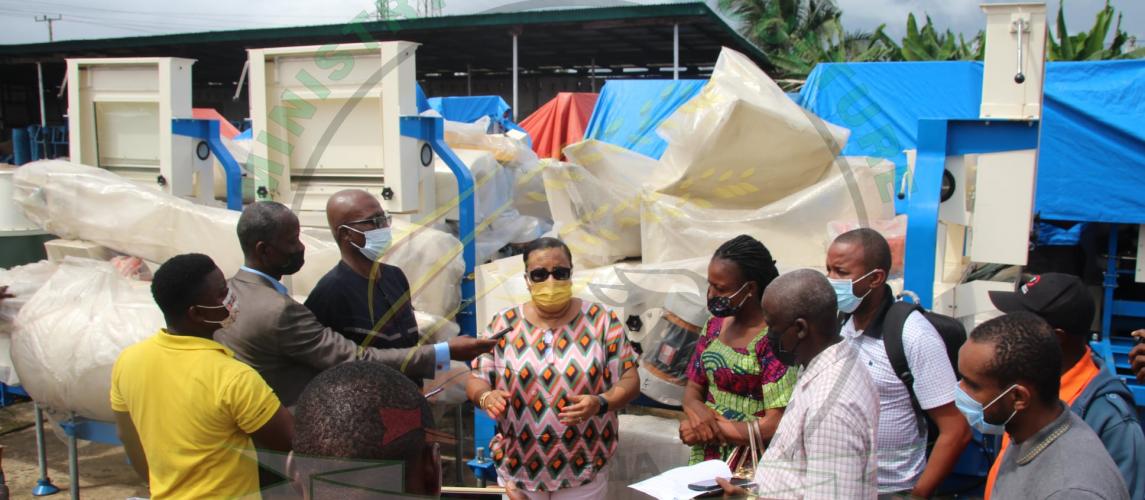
point(1090, 45)
point(927, 44)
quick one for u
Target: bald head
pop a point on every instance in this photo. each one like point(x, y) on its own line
point(349, 205)
point(803, 293)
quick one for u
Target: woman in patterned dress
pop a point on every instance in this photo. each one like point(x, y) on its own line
point(553, 383)
point(734, 380)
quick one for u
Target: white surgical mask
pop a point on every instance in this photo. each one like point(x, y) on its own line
point(377, 242)
point(975, 412)
point(845, 293)
point(228, 304)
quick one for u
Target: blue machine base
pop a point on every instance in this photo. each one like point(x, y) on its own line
point(483, 470)
point(44, 487)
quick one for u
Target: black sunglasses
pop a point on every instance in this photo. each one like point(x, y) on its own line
point(541, 274)
point(378, 221)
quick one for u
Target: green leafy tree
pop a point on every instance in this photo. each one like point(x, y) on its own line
point(797, 34)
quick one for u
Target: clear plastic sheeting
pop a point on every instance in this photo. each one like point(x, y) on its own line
point(649, 445)
point(23, 282)
point(498, 221)
point(794, 229)
point(69, 334)
point(473, 136)
point(595, 201)
point(742, 142)
point(530, 198)
point(80, 202)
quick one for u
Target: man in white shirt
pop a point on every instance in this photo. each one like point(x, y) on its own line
point(825, 446)
point(857, 265)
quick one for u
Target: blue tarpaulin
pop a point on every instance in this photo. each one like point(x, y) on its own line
point(1092, 160)
point(629, 111)
point(470, 109)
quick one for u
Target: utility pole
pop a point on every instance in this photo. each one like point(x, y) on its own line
point(49, 20)
point(40, 78)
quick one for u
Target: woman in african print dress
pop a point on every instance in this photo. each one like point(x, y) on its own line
point(734, 380)
point(553, 384)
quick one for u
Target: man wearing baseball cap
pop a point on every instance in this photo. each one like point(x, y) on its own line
point(1092, 392)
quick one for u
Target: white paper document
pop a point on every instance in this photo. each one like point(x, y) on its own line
point(673, 485)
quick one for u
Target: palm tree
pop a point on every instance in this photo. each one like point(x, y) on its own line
point(797, 34)
point(776, 24)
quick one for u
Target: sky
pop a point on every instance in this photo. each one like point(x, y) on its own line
point(116, 18)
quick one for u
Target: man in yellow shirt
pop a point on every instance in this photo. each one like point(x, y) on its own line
point(185, 408)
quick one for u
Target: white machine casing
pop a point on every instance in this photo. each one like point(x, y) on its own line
point(119, 119)
point(326, 118)
point(989, 215)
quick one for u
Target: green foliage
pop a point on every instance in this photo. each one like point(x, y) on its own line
point(798, 34)
point(1090, 45)
point(927, 44)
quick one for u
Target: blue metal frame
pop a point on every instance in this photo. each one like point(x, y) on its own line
point(432, 131)
point(938, 139)
point(1115, 350)
point(208, 130)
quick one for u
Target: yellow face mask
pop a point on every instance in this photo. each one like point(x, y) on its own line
point(552, 296)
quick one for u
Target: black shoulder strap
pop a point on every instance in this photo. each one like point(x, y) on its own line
point(896, 353)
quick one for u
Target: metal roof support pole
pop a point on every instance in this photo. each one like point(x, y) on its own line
point(592, 76)
point(514, 77)
point(676, 51)
point(43, 114)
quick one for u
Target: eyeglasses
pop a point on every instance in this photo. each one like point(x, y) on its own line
point(541, 274)
point(379, 221)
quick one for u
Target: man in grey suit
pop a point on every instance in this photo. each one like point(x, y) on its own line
point(279, 337)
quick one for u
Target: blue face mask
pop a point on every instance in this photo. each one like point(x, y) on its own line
point(845, 293)
point(975, 412)
point(377, 242)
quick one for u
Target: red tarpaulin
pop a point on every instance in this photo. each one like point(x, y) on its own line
point(559, 122)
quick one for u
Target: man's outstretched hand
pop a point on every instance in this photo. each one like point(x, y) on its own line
point(465, 348)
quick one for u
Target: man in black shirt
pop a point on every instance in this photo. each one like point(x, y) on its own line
point(362, 298)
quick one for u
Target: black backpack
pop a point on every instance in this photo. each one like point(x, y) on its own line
point(953, 335)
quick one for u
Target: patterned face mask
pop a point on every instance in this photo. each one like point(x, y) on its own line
point(721, 307)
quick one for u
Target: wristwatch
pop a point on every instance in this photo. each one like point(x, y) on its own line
point(603, 405)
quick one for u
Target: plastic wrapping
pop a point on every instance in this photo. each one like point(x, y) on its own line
point(76, 201)
point(595, 201)
point(742, 142)
point(498, 221)
point(794, 229)
point(473, 136)
point(649, 446)
point(529, 188)
point(69, 334)
point(23, 282)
